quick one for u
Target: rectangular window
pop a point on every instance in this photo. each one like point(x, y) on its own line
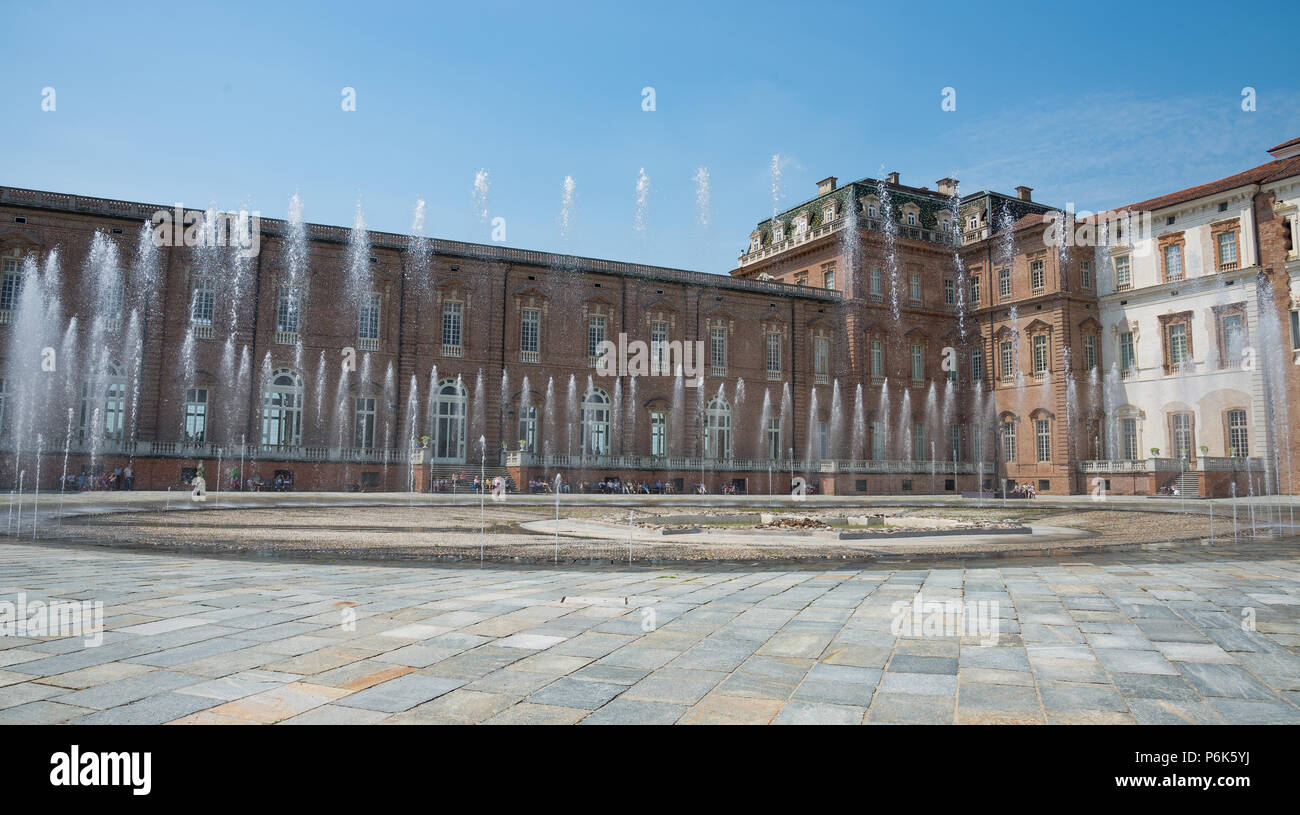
point(1126, 357)
point(1037, 277)
point(918, 442)
point(878, 441)
point(822, 357)
point(452, 314)
point(659, 348)
point(877, 285)
point(914, 287)
point(1123, 273)
point(1227, 251)
point(1004, 283)
point(368, 322)
point(1234, 337)
point(286, 311)
point(718, 351)
point(977, 445)
point(1040, 355)
point(1008, 441)
point(1008, 360)
point(203, 302)
point(1177, 344)
point(828, 276)
point(530, 333)
point(595, 336)
point(528, 428)
point(918, 363)
point(975, 292)
point(658, 434)
point(10, 286)
point(196, 415)
point(773, 355)
point(1085, 274)
point(1238, 441)
point(1182, 427)
point(1295, 330)
point(774, 438)
point(949, 292)
point(977, 364)
point(1043, 436)
point(1089, 352)
point(877, 359)
point(1173, 254)
point(364, 435)
point(1129, 431)
point(954, 442)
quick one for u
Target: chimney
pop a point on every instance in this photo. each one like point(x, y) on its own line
point(1023, 193)
point(946, 186)
point(826, 185)
point(892, 178)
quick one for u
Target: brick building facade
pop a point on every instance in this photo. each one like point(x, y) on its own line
point(877, 338)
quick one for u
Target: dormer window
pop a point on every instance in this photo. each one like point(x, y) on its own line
point(828, 214)
point(911, 219)
point(800, 225)
point(972, 223)
point(778, 233)
point(755, 242)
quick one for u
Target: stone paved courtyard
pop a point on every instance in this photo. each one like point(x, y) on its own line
point(1122, 637)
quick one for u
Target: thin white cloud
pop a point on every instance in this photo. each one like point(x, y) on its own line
point(1109, 150)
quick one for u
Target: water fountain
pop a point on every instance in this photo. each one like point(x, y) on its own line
point(857, 445)
point(889, 227)
point(888, 448)
point(905, 424)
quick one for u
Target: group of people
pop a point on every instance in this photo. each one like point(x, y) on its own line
point(121, 478)
point(614, 486)
point(492, 482)
point(1024, 491)
point(281, 483)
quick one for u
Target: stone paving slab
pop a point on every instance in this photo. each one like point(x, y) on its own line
point(1119, 637)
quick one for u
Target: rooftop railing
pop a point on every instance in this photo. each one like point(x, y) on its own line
point(902, 230)
point(400, 243)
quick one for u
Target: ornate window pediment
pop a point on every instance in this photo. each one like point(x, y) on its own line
point(720, 318)
point(17, 242)
point(452, 289)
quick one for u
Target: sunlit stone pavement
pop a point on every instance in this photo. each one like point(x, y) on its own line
point(1123, 637)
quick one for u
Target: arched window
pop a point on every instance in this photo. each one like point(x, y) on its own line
point(449, 421)
point(282, 409)
point(595, 423)
point(109, 403)
point(717, 429)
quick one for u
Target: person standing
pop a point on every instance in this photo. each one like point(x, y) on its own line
point(129, 475)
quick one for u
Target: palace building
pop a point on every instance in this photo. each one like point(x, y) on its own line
point(877, 338)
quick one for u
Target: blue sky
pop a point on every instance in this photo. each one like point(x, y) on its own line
point(239, 105)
